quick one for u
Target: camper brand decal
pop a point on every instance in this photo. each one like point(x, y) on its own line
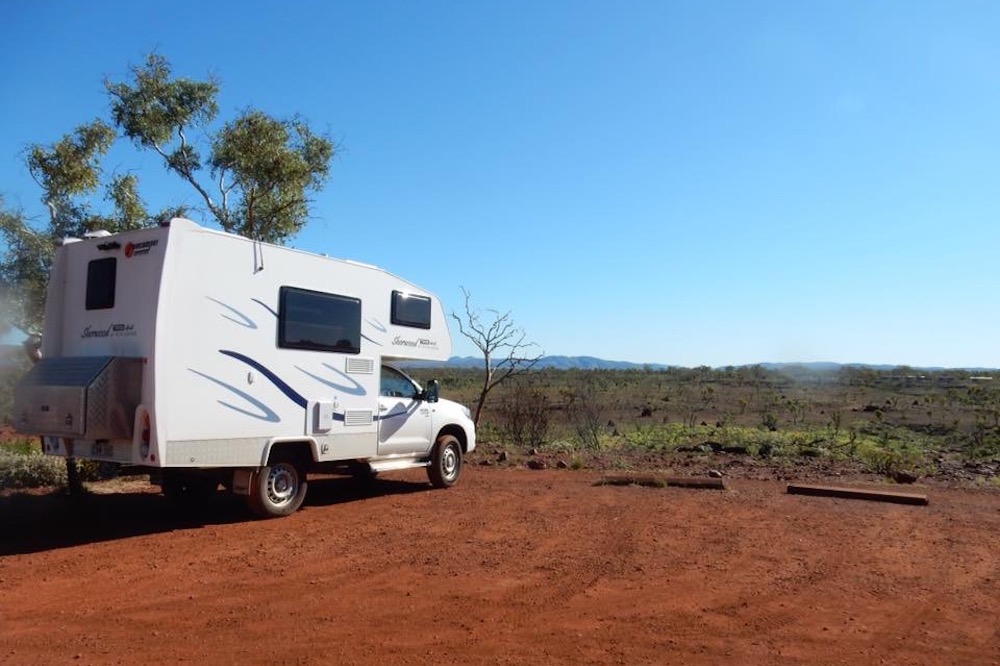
point(423, 343)
point(112, 331)
point(135, 249)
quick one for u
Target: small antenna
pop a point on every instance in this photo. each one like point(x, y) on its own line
point(258, 253)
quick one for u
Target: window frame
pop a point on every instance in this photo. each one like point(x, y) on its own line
point(396, 318)
point(355, 326)
point(105, 300)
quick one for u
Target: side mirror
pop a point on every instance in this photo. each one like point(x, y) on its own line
point(433, 391)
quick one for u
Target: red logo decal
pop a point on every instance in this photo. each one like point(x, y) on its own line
point(129, 249)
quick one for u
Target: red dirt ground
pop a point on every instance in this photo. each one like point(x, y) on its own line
point(508, 567)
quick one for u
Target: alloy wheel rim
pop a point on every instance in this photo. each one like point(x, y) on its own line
point(449, 462)
point(282, 482)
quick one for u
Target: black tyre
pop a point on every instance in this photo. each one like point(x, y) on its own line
point(446, 462)
point(277, 489)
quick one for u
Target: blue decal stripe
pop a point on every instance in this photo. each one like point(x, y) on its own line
point(265, 306)
point(275, 379)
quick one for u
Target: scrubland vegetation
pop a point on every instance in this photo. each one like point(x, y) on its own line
point(898, 423)
point(23, 465)
point(902, 423)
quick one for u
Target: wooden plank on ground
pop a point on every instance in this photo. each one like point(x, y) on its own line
point(857, 493)
point(654, 481)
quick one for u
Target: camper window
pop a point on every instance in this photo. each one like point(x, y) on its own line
point(318, 321)
point(101, 283)
point(410, 310)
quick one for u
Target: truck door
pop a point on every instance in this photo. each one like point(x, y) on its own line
point(404, 420)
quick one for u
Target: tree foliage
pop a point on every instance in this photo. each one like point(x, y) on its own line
point(254, 175)
point(67, 172)
point(265, 167)
point(67, 169)
point(23, 271)
point(261, 169)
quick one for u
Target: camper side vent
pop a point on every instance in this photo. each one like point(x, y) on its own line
point(357, 417)
point(360, 366)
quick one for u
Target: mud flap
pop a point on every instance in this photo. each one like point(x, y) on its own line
point(242, 481)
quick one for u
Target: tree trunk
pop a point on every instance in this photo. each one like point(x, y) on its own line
point(487, 378)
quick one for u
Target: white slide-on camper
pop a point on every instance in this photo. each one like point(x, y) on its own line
point(214, 359)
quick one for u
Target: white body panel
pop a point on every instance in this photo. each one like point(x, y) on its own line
point(201, 308)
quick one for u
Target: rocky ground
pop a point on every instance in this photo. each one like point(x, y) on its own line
point(712, 459)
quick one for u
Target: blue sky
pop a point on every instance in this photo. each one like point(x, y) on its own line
point(690, 183)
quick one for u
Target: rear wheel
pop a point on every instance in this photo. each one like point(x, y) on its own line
point(446, 462)
point(278, 489)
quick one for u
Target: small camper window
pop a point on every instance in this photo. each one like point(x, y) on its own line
point(410, 310)
point(318, 321)
point(101, 283)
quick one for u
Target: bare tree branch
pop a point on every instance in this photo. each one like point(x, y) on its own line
point(496, 336)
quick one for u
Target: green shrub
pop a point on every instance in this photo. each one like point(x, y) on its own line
point(983, 442)
point(23, 465)
point(30, 470)
point(21, 446)
point(889, 451)
point(524, 417)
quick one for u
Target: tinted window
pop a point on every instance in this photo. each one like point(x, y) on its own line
point(410, 310)
point(318, 321)
point(395, 384)
point(101, 283)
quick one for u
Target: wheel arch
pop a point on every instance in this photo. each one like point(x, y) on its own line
point(304, 450)
point(457, 432)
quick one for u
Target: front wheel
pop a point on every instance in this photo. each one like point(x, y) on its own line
point(277, 490)
point(446, 462)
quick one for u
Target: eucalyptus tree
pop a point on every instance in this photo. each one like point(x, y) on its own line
point(253, 173)
point(68, 173)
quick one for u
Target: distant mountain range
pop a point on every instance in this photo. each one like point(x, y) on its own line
point(13, 354)
point(557, 362)
point(594, 363)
